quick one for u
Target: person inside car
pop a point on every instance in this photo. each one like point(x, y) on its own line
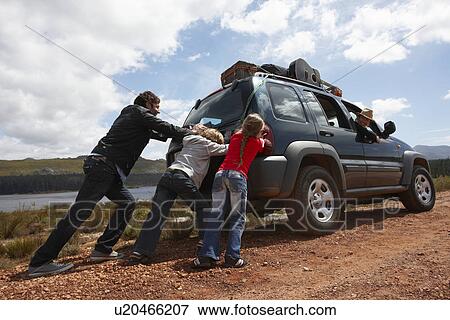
point(363, 134)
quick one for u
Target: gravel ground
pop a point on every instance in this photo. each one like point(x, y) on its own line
point(401, 256)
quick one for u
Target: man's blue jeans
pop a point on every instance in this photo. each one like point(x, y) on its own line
point(235, 184)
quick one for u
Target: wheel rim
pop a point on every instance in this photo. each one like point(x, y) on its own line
point(423, 189)
point(321, 200)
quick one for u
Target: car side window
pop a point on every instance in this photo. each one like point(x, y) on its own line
point(315, 107)
point(335, 117)
point(286, 103)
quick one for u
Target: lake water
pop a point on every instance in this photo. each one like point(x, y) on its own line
point(13, 202)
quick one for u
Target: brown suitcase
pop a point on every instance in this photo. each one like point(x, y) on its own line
point(239, 70)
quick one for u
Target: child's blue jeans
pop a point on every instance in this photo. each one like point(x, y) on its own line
point(235, 184)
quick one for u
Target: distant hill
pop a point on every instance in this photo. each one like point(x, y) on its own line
point(60, 166)
point(434, 152)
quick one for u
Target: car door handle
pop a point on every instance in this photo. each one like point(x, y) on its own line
point(326, 133)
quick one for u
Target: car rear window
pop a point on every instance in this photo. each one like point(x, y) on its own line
point(222, 107)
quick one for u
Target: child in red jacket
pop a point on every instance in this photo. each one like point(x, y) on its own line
point(231, 178)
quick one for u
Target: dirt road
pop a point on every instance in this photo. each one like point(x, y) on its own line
point(401, 256)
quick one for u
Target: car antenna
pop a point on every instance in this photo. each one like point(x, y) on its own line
point(379, 54)
point(91, 66)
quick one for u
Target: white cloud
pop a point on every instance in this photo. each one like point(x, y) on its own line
point(177, 109)
point(271, 17)
point(328, 20)
point(385, 109)
point(53, 105)
point(298, 45)
point(436, 141)
point(365, 48)
point(197, 56)
point(437, 130)
point(373, 29)
point(305, 12)
point(447, 96)
point(357, 34)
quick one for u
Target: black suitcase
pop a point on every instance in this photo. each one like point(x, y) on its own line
point(301, 70)
point(274, 69)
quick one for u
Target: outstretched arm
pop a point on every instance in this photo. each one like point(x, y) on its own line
point(163, 127)
point(215, 149)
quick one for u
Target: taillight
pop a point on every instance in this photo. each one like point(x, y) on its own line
point(269, 141)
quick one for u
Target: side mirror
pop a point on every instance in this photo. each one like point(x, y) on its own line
point(389, 128)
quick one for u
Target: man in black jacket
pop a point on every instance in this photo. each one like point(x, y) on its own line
point(105, 170)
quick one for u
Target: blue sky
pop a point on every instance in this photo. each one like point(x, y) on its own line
point(54, 106)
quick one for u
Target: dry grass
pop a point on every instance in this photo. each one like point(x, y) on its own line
point(9, 228)
point(20, 247)
point(72, 247)
point(22, 223)
point(442, 183)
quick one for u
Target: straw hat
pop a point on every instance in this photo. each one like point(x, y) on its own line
point(367, 113)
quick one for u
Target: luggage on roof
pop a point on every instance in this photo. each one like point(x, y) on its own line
point(298, 69)
point(239, 70)
point(301, 70)
point(274, 69)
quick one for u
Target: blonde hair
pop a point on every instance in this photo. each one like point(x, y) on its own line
point(251, 127)
point(213, 135)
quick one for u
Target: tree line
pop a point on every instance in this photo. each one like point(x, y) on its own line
point(63, 182)
point(72, 182)
point(440, 167)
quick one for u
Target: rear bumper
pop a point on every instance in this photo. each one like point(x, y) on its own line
point(265, 177)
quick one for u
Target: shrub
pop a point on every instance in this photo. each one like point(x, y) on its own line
point(442, 183)
point(20, 247)
point(72, 247)
point(10, 226)
point(130, 233)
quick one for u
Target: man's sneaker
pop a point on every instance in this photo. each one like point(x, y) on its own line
point(48, 269)
point(203, 263)
point(138, 258)
point(99, 256)
point(231, 262)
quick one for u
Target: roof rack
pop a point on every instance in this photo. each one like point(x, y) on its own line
point(326, 86)
point(274, 76)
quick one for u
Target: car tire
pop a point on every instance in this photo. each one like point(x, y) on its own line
point(315, 206)
point(421, 194)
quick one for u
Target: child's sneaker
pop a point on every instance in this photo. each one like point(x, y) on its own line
point(198, 247)
point(138, 258)
point(203, 263)
point(231, 262)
